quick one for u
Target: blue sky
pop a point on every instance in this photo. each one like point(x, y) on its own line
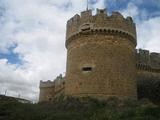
point(11, 56)
point(151, 7)
point(33, 36)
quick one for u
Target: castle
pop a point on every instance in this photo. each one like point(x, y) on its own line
point(102, 59)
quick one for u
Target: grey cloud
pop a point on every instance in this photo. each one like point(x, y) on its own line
point(38, 29)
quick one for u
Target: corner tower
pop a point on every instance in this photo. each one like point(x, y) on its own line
point(101, 58)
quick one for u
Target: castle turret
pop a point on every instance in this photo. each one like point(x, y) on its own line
point(47, 91)
point(101, 59)
point(148, 65)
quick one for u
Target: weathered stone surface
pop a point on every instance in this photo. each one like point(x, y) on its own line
point(145, 58)
point(102, 60)
point(106, 44)
point(51, 89)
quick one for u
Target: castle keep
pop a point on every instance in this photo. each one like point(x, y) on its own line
point(102, 61)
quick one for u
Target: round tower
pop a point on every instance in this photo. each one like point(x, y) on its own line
point(101, 58)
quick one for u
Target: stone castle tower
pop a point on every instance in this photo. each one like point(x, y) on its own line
point(102, 60)
point(101, 55)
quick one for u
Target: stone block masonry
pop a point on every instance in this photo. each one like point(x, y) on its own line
point(102, 61)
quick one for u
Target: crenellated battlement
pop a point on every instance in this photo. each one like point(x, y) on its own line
point(46, 84)
point(51, 89)
point(100, 22)
point(148, 61)
point(59, 81)
point(102, 60)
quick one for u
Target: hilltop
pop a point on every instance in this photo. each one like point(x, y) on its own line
point(80, 109)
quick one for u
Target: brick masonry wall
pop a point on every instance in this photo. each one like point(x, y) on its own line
point(100, 21)
point(112, 58)
point(105, 45)
point(46, 94)
point(101, 59)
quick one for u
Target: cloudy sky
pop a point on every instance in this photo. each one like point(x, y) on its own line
point(32, 37)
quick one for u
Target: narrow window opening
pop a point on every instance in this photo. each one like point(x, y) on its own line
point(101, 11)
point(87, 69)
point(80, 83)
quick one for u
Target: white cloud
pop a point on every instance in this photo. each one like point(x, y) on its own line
point(131, 10)
point(148, 34)
point(38, 29)
point(99, 4)
point(147, 29)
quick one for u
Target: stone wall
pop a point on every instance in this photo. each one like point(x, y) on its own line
point(147, 69)
point(148, 65)
point(101, 56)
point(146, 59)
point(46, 91)
point(51, 89)
point(101, 59)
point(100, 21)
point(59, 86)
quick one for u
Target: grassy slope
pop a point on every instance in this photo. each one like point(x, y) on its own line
point(80, 109)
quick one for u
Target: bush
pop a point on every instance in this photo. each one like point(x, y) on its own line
point(80, 109)
point(149, 89)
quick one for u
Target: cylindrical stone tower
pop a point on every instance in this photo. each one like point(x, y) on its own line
point(101, 60)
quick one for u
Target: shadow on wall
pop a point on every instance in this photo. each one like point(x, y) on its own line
point(150, 89)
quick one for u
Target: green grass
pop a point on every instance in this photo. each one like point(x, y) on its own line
point(80, 109)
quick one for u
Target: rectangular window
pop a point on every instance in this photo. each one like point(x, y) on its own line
point(87, 69)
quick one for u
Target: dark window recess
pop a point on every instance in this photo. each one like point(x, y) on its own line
point(101, 11)
point(85, 29)
point(87, 69)
point(80, 83)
